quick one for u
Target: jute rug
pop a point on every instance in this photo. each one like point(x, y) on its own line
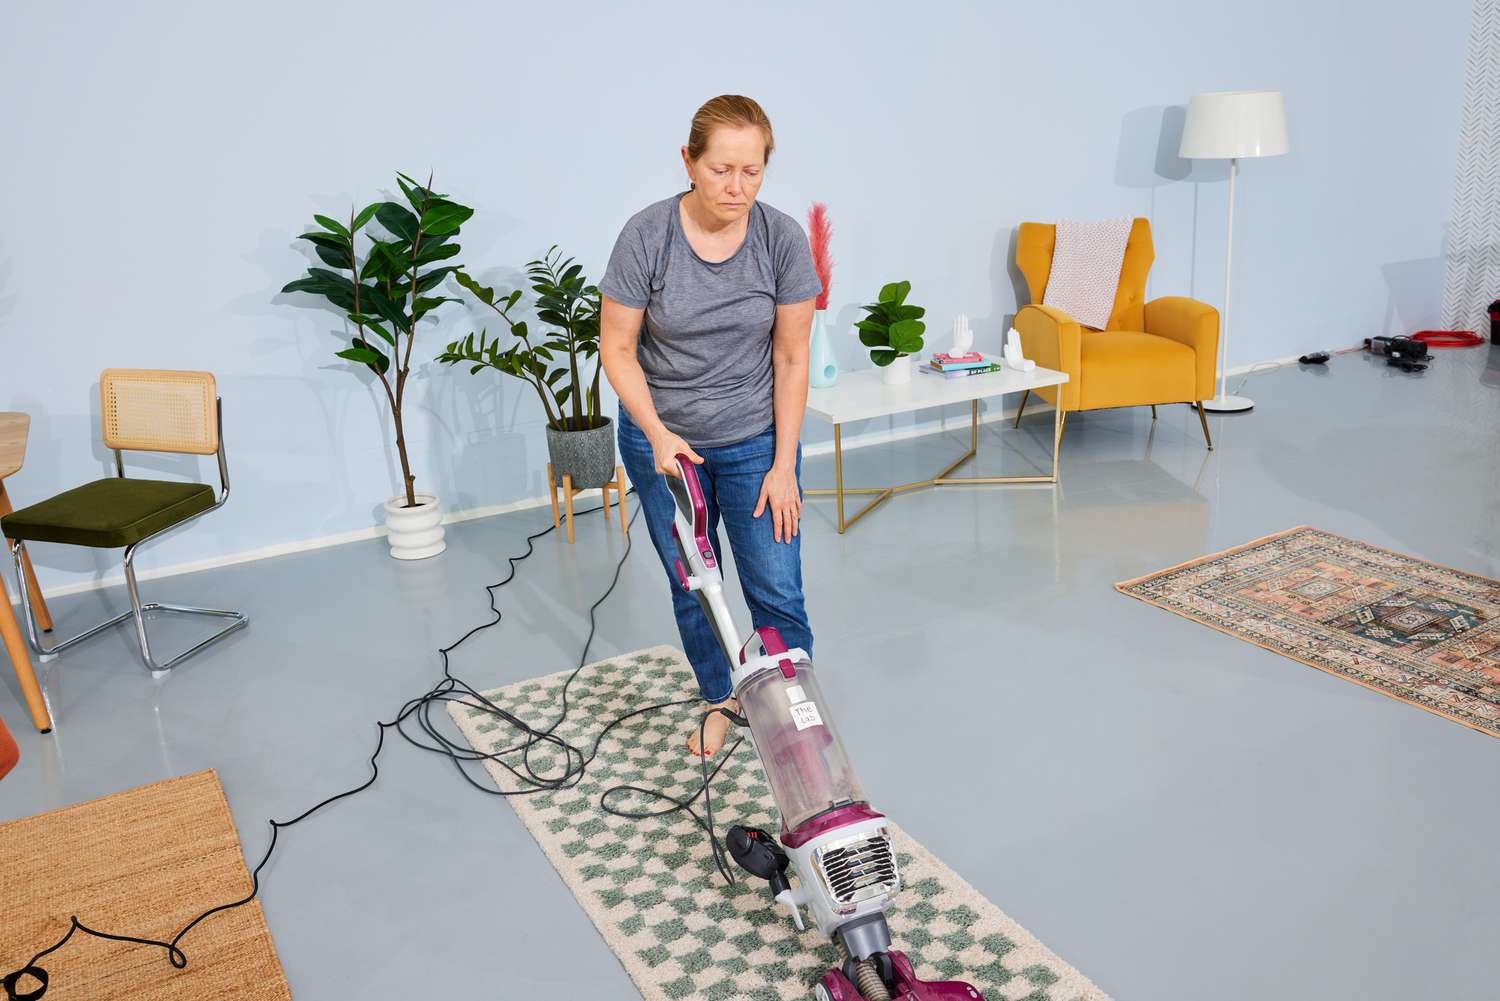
point(144, 863)
point(1410, 629)
point(651, 888)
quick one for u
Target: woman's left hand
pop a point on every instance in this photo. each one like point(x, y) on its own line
point(779, 492)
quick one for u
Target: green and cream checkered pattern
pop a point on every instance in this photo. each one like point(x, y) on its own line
point(651, 888)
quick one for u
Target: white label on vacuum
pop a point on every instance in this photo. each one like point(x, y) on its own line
point(805, 714)
point(795, 695)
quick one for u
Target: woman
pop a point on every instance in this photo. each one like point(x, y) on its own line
point(706, 307)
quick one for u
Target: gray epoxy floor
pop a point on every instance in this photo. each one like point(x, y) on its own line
point(1178, 813)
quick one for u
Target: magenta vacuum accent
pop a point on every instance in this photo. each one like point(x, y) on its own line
point(904, 985)
point(700, 512)
point(824, 822)
point(834, 859)
point(682, 577)
point(772, 644)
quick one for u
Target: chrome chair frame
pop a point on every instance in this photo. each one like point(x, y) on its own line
point(137, 609)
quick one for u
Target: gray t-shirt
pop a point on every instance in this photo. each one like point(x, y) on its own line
point(705, 343)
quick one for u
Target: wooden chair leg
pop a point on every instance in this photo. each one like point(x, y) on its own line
point(1203, 419)
point(568, 503)
point(20, 659)
point(1153, 411)
point(620, 493)
point(1022, 408)
point(38, 604)
point(552, 493)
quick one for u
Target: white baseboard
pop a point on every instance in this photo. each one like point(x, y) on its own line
point(525, 504)
point(284, 548)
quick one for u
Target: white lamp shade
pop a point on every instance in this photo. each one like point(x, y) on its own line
point(1238, 123)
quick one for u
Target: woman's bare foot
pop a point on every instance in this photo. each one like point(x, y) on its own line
point(713, 731)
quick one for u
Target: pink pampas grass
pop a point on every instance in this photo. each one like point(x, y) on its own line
point(819, 232)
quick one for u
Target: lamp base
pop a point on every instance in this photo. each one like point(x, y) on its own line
point(1228, 404)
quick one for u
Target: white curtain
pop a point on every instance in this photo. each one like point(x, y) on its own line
point(1472, 278)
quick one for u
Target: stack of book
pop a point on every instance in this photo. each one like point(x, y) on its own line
point(958, 366)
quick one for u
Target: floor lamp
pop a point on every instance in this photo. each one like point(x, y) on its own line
point(1230, 125)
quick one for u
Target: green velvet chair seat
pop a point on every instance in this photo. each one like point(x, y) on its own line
point(109, 514)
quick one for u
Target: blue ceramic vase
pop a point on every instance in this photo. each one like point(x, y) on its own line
point(822, 366)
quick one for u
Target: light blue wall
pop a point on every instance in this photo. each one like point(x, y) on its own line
point(160, 158)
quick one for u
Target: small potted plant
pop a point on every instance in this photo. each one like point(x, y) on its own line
point(554, 362)
point(384, 298)
point(893, 332)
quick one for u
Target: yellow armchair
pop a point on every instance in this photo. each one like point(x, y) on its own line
point(1149, 353)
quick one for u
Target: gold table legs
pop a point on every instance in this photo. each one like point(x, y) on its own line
point(883, 494)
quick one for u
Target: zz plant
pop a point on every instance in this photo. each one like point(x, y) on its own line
point(893, 328)
point(387, 295)
point(554, 362)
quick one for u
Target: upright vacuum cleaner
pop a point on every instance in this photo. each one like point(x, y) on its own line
point(836, 845)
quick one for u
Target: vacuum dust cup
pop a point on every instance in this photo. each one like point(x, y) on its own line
point(803, 757)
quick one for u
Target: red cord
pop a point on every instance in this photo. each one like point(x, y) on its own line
point(1448, 338)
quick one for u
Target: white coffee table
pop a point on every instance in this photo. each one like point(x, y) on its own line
point(861, 395)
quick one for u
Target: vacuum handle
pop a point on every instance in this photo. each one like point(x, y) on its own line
point(692, 508)
point(683, 495)
point(697, 565)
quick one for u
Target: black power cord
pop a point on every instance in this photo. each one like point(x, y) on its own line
point(419, 710)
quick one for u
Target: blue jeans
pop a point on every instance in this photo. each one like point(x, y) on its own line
point(770, 571)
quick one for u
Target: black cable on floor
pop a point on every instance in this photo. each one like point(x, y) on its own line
point(419, 710)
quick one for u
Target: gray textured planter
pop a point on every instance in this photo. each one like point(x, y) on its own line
point(588, 456)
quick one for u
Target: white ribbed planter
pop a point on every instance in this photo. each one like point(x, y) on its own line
point(415, 533)
point(898, 372)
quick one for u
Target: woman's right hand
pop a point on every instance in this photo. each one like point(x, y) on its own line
point(666, 446)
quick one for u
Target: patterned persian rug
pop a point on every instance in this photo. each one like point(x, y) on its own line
point(1413, 630)
point(651, 888)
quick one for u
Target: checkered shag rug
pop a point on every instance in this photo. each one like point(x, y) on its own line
point(651, 888)
point(1416, 631)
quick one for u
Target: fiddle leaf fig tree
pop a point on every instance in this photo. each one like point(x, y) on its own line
point(893, 328)
point(392, 290)
point(554, 362)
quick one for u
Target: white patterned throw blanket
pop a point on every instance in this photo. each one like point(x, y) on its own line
point(1085, 273)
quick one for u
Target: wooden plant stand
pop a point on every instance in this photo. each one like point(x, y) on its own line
point(617, 485)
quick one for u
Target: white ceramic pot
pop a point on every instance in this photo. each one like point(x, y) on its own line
point(415, 533)
point(898, 372)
